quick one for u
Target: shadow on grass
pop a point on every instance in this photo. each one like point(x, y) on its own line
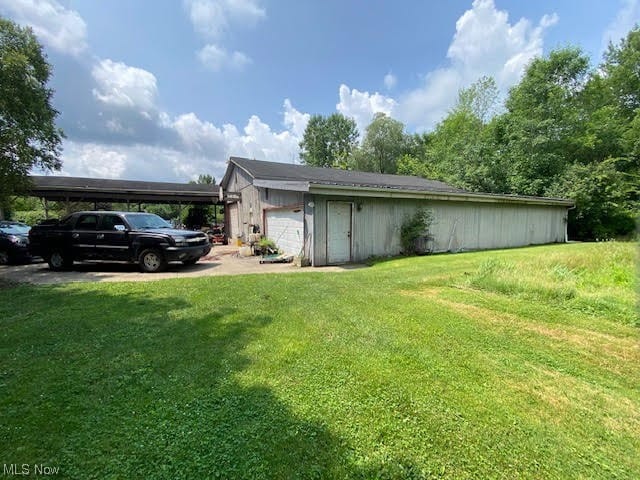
point(109, 385)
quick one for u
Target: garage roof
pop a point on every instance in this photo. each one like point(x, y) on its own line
point(333, 181)
point(333, 176)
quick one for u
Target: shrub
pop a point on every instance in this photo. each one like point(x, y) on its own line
point(415, 228)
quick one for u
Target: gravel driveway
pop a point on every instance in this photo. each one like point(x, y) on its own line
point(223, 260)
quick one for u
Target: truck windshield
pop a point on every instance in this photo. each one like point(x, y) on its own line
point(146, 221)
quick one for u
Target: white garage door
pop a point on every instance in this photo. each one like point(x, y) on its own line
point(286, 228)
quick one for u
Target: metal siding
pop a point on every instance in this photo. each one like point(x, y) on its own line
point(320, 230)
point(308, 228)
point(457, 226)
point(280, 198)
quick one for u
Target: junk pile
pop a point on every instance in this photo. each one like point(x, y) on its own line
point(259, 245)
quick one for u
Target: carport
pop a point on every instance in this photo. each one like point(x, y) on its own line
point(98, 190)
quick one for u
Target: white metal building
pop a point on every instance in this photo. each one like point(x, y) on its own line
point(335, 216)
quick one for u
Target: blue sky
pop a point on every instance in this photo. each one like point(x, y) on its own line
point(168, 89)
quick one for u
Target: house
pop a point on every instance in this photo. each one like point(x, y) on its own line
point(333, 216)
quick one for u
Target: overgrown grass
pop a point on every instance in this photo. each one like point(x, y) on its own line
point(508, 364)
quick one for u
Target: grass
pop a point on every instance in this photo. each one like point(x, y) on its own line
point(506, 364)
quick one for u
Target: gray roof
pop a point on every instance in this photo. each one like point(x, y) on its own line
point(333, 176)
point(53, 187)
point(52, 181)
point(327, 177)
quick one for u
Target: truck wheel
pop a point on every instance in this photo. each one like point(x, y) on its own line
point(191, 261)
point(59, 261)
point(4, 257)
point(152, 261)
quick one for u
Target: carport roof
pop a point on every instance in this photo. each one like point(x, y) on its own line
point(110, 190)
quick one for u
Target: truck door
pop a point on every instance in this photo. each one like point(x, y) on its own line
point(83, 236)
point(112, 238)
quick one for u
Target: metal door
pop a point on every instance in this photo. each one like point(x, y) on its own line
point(112, 239)
point(84, 236)
point(338, 232)
point(286, 228)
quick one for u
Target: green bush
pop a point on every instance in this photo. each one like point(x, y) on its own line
point(414, 228)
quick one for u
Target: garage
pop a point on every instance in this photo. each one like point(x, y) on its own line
point(285, 226)
point(329, 216)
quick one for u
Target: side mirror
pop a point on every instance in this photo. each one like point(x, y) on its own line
point(120, 228)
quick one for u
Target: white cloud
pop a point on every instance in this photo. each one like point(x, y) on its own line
point(295, 121)
point(60, 28)
point(120, 85)
point(390, 81)
point(146, 162)
point(628, 16)
point(485, 43)
point(92, 160)
point(217, 58)
point(212, 18)
point(201, 147)
point(362, 106)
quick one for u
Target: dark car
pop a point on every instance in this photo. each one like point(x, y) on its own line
point(142, 238)
point(14, 242)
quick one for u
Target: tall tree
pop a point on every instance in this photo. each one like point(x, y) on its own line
point(205, 179)
point(383, 145)
point(621, 69)
point(544, 120)
point(28, 135)
point(329, 141)
point(460, 150)
point(479, 99)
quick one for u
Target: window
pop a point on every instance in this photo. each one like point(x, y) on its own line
point(87, 222)
point(113, 222)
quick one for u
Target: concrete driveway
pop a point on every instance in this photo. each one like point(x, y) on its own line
point(223, 260)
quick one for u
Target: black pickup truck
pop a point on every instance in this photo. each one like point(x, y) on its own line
point(141, 238)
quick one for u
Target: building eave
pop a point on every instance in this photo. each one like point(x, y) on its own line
point(381, 192)
point(290, 185)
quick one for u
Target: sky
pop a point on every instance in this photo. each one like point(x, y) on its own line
point(165, 90)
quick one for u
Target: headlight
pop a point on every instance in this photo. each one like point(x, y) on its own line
point(180, 241)
point(18, 240)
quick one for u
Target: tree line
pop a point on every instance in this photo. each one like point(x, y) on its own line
point(566, 130)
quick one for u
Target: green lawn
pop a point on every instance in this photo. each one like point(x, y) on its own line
point(507, 364)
